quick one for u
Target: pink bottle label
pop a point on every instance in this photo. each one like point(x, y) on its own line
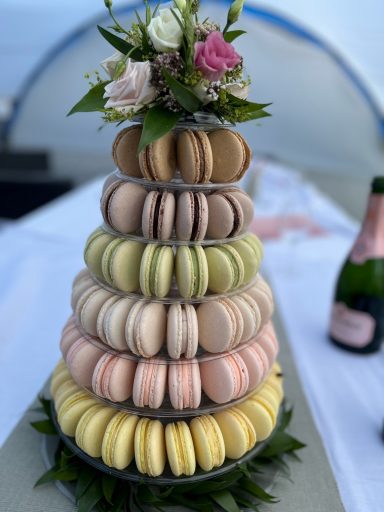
point(351, 327)
point(370, 242)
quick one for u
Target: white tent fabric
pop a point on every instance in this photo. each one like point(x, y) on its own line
point(326, 117)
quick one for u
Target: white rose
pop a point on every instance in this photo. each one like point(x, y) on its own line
point(132, 88)
point(109, 64)
point(239, 90)
point(165, 32)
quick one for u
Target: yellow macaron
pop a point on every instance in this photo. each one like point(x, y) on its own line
point(180, 450)
point(91, 428)
point(60, 374)
point(117, 449)
point(65, 390)
point(208, 442)
point(150, 453)
point(238, 432)
point(71, 410)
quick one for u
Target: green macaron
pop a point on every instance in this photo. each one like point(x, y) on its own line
point(251, 252)
point(191, 271)
point(94, 249)
point(156, 270)
point(225, 268)
point(120, 264)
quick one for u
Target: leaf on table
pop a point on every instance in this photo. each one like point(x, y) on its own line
point(226, 501)
point(44, 427)
point(90, 498)
point(108, 484)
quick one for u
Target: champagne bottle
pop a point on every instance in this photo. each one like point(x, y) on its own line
point(357, 318)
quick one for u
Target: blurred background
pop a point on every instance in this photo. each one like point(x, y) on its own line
point(319, 62)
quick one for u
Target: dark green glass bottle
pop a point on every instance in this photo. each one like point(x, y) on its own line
point(357, 319)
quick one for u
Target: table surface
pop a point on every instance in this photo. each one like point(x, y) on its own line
point(344, 391)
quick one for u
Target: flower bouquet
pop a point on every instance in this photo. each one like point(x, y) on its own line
point(170, 65)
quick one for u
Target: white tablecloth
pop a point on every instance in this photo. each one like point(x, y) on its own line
point(41, 254)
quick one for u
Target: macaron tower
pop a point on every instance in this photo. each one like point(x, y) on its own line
point(169, 367)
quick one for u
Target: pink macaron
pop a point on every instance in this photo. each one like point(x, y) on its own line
point(184, 384)
point(150, 383)
point(81, 360)
point(257, 363)
point(69, 335)
point(224, 378)
point(113, 377)
point(268, 341)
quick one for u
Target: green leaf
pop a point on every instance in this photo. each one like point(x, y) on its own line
point(256, 115)
point(233, 34)
point(66, 473)
point(44, 427)
point(93, 101)
point(86, 477)
point(108, 485)
point(157, 122)
point(121, 45)
point(46, 404)
point(185, 96)
point(255, 490)
point(282, 443)
point(91, 497)
point(286, 419)
point(225, 500)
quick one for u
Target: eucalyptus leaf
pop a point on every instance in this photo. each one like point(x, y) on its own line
point(120, 44)
point(255, 490)
point(93, 101)
point(108, 484)
point(183, 94)
point(86, 477)
point(90, 498)
point(157, 122)
point(226, 501)
point(233, 34)
point(44, 427)
point(57, 473)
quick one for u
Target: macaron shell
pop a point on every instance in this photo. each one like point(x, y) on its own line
point(180, 450)
point(125, 206)
point(124, 265)
point(264, 301)
point(246, 205)
point(156, 270)
point(68, 339)
point(225, 268)
point(158, 215)
point(158, 160)
point(67, 389)
point(184, 384)
point(259, 416)
point(81, 359)
point(182, 331)
point(59, 376)
point(208, 442)
point(229, 156)
point(255, 363)
point(221, 220)
point(217, 326)
point(150, 383)
point(150, 329)
point(71, 410)
point(113, 377)
point(194, 156)
point(238, 432)
point(124, 151)
point(117, 448)
point(115, 321)
point(91, 429)
point(230, 370)
point(250, 261)
point(150, 452)
point(91, 308)
point(94, 249)
point(101, 316)
point(192, 216)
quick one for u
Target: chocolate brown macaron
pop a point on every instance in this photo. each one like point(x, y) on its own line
point(124, 151)
point(194, 156)
point(231, 155)
point(192, 216)
point(158, 215)
point(158, 160)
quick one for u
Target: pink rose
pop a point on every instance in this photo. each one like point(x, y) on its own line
point(215, 56)
point(133, 87)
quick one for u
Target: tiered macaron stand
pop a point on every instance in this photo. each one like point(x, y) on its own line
point(137, 358)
